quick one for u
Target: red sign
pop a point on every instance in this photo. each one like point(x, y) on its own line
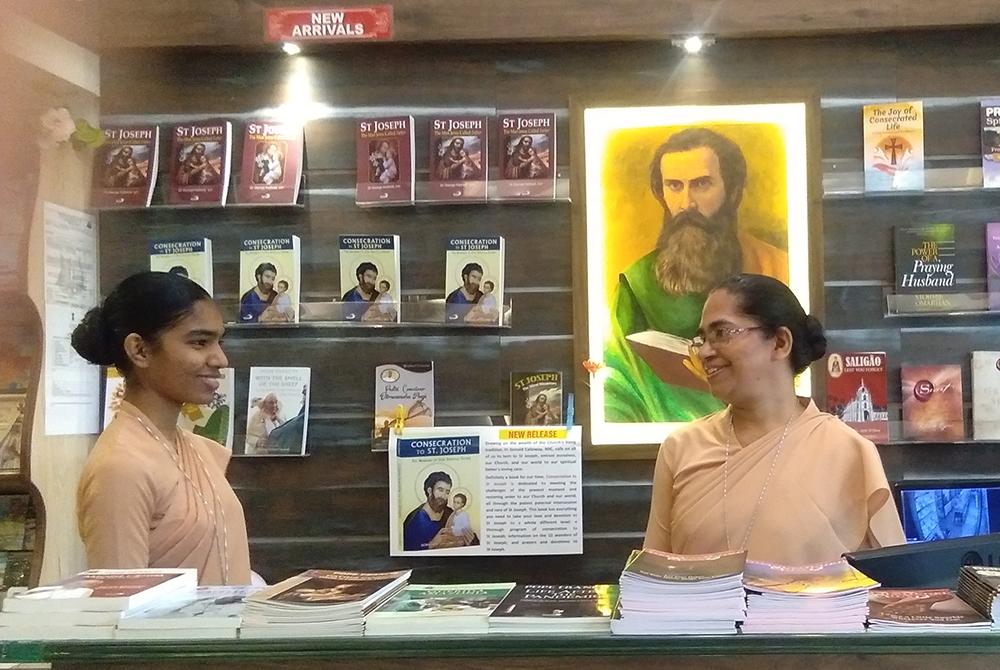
point(325, 24)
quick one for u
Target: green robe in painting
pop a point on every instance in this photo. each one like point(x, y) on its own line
point(632, 391)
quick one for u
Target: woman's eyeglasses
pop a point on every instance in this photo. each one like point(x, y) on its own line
point(719, 335)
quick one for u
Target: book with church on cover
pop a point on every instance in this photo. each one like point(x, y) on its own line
point(200, 154)
point(932, 403)
point(894, 146)
point(125, 167)
point(856, 392)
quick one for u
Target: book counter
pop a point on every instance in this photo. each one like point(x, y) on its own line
point(585, 652)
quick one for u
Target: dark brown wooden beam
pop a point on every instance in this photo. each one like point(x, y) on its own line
point(154, 23)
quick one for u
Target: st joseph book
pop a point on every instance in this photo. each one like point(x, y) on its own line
point(993, 264)
point(474, 269)
point(402, 391)
point(385, 151)
point(989, 116)
point(277, 411)
point(369, 278)
point(125, 167)
point(200, 154)
point(856, 392)
point(932, 403)
point(271, 170)
point(458, 158)
point(536, 398)
point(270, 269)
point(894, 146)
point(527, 156)
point(191, 258)
point(986, 395)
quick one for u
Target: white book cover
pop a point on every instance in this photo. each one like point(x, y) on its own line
point(369, 278)
point(277, 411)
point(986, 395)
point(213, 420)
point(211, 607)
point(474, 280)
point(189, 258)
point(106, 591)
point(270, 285)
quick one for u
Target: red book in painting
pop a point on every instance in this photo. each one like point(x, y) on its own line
point(125, 167)
point(932, 403)
point(527, 156)
point(385, 161)
point(856, 392)
point(199, 163)
point(271, 170)
point(458, 158)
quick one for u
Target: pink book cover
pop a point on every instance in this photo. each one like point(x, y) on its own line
point(856, 392)
point(932, 403)
point(385, 161)
point(527, 156)
point(200, 163)
point(993, 264)
point(125, 167)
point(271, 170)
point(458, 158)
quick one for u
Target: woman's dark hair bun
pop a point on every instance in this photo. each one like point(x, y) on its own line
point(815, 337)
point(91, 338)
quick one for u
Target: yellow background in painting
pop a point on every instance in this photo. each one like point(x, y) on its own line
point(634, 217)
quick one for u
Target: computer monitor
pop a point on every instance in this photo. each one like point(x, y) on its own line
point(947, 525)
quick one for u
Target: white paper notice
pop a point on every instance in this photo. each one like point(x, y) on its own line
point(72, 398)
point(474, 491)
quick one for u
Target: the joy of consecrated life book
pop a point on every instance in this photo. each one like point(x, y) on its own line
point(894, 146)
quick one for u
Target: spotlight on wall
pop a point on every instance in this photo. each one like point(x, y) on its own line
point(693, 44)
point(290, 49)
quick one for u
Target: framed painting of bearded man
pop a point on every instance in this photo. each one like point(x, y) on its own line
point(668, 201)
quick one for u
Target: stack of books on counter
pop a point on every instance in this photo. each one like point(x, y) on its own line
point(89, 605)
point(674, 594)
point(979, 585)
point(419, 609)
point(817, 598)
point(534, 609)
point(922, 611)
point(215, 612)
point(319, 603)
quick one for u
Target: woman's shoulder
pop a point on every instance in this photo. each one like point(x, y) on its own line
point(209, 448)
point(121, 450)
point(699, 431)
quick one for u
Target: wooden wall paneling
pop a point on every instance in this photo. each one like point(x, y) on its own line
point(139, 23)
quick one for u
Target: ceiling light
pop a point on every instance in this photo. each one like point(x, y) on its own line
point(290, 49)
point(693, 44)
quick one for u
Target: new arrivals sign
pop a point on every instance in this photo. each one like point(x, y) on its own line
point(328, 25)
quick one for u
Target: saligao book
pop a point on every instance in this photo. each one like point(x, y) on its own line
point(990, 122)
point(200, 154)
point(403, 391)
point(527, 156)
point(458, 158)
point(671, 358)
point(385, 161)
point(986, 395)
point(191, 258)
point(271, 170)
point(856, 392)
point(270, 271)
point(932, 403)
point(125, 167)
point(925, 266)
point(894, 146)
point(106, 591)
point(277, 411)
point(213, 420)
point(473, 287)
point(12, 407)
point(535, 398)
point(993, 264)
point(369, 278)
point(420, 608)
